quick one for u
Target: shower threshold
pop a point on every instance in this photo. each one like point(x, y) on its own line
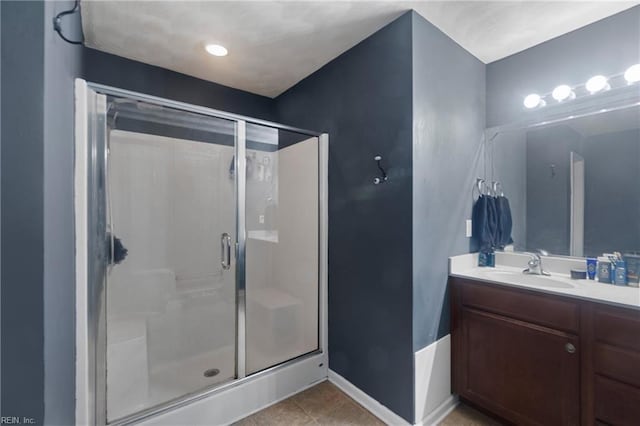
point(292, 376)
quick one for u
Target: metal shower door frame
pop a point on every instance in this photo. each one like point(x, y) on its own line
point(97, 202)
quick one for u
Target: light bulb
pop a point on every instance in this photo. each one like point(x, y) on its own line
point(563, 93)
point(216, 50)
point(632, 74)
point(597, 84)
point(533, 101)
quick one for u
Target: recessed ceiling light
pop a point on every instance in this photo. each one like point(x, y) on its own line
point(216, 50)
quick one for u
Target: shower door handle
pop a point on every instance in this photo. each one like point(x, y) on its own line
point(225, 251)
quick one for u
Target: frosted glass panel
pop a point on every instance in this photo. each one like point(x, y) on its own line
point(281, 248)
point(171, 306)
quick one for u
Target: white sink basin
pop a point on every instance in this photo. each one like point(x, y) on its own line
point(534, 280)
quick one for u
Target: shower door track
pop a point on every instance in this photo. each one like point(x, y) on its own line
point(94, 391)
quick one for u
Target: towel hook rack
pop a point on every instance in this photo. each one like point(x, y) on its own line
point(478, 187)
point(57, 22)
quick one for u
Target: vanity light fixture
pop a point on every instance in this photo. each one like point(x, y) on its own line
point(563, 93)
point(216, 50)
point(632, 74)
point(597, 84)
point(534, 101)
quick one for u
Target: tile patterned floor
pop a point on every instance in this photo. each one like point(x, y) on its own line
point(326, 405)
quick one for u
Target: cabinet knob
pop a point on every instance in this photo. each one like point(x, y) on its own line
point(570, 348)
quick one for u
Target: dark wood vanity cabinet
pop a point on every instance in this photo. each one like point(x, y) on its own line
point(612, 370)
point(536, 359)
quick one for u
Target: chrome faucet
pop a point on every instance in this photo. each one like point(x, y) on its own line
point(535, 264)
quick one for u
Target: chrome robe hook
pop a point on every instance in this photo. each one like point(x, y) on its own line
point(383, 178)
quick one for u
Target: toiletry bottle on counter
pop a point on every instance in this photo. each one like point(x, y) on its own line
point(487, 258)
point(618, 269)
point(633, 269)
point(604, 269)
point(592, 266)
point(621, 273)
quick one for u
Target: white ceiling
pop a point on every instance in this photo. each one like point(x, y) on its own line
point(274, 44)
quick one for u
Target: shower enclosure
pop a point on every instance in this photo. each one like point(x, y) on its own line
point(203, 250)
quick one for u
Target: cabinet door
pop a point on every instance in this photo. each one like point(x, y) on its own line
point(525, 373)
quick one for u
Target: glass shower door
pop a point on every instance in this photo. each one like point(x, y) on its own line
point(171, 287)
point(282, 246)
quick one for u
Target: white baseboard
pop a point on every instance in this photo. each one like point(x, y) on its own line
point(442, 411)
point(377, 409)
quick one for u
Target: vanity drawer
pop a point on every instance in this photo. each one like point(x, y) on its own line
point(617, 363)
point(618, 327)
point(616, 403)
point(551, 312)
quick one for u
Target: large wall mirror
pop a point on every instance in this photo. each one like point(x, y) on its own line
point(573, 183)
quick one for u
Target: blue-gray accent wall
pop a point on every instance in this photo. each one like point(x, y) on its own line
point(38, 303)
point(448, 124)
point(605, 47)
point(123, 73)
point(22, 181)
point(363, 100)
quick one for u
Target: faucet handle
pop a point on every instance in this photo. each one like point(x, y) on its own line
point(543, 252)
point(533, 256)
point(535, 263)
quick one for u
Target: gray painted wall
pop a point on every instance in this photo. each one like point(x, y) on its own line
point(22, 180)
point(605, 47)
point(363, 100)
point(448, 125)
point(62, 64)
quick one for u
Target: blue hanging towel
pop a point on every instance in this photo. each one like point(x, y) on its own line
point(493, 221)
point(484, 222)
point(505, 222)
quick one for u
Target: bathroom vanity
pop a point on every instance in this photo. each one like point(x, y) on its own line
point(545, 350)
